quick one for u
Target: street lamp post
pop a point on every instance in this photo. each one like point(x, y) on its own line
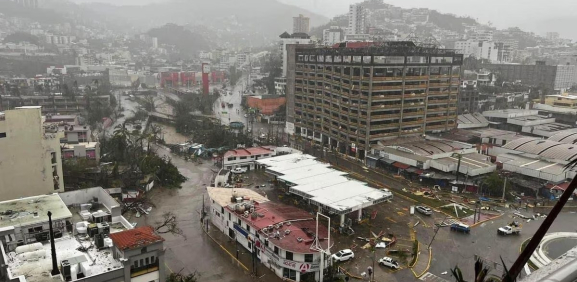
point(319, 247)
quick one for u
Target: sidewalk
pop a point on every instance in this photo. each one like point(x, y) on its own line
point(423, 261)
point(241, 257)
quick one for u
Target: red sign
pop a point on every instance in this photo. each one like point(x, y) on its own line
point(289, 263)
point(305, 267)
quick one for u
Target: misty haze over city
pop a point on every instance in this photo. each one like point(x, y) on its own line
point(288, 140)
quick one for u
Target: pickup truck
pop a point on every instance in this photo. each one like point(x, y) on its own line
point(512, 228)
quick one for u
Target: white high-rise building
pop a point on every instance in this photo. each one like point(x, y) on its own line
point(333, 35)
point(479, 49)
point(155, 42)
point(357, 19)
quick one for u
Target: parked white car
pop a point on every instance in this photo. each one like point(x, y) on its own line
point(343, 255)
point(239, 170)
point(424, 210)
point(389, 262)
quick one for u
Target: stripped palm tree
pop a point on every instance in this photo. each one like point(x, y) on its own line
point(481, 273)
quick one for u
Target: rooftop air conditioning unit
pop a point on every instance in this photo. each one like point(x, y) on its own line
point(299, 239)
point(287, 232)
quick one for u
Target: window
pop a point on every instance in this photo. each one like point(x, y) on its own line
point(242, 158)
point(143, 250)
point(289, 273)
point(276, 251)
point(231, 158)
point(152, 259)
point(289, 255)
point(247, 228)
point(2, 134)
point(239, 222)
point(147, 261)
point(136, 263)
point(308, 257)
point(221, 209)
point(229, 216)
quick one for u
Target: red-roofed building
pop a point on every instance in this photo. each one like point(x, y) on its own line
point(283, 237)
point(558, 189)
point(142, 252)
point(245, 157)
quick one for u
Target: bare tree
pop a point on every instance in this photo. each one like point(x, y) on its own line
point(179, 277)
point(169, 224)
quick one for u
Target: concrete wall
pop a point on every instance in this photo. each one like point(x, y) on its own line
point(26, 167)
point(84, 196)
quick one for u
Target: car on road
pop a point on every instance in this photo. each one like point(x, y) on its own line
point(459, 227)
point(343, 255)
point(239, 170)
point(389, 262)
point(424, 210)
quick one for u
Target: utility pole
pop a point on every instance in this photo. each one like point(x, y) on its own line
point(504, 186)
point(436, 231)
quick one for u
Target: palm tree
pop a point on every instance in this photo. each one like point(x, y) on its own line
point(481, 273)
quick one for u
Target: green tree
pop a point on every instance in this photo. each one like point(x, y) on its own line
point(481, 273)
point(493, 184)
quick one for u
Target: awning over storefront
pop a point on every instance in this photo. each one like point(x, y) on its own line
point(414, 170)
point(401, 165)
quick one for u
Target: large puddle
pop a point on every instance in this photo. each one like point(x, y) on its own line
point(558, 247)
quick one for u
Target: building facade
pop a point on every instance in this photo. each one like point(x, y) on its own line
point(357, 19)
point(301, 24)
point(333, 35)
point(538, 74)
point(468, 99)
point(479, 49)
point(350, 98)
point(30, 162)
point(54, 104)
point(280, 236)
point(287, 40)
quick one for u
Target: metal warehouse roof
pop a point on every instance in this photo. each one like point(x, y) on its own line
point(545, 148)
point(565, 136)
point(324, 186)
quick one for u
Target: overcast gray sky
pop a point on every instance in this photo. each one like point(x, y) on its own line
point(538, 16)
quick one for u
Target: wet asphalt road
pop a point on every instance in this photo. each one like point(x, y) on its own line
point(196, 252)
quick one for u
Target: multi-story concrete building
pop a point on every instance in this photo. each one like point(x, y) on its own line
point(30, 158)
point(54, 104)
point(333, 35)
point(468, 99)
point(357, 19)
point(288, 39)
point(539, 74)
point(480, 49)
point(349, 98)
point(301, 24)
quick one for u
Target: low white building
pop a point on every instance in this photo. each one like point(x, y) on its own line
point(333, 35)
point(247, 157)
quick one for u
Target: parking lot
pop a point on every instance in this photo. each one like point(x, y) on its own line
point(393, 219)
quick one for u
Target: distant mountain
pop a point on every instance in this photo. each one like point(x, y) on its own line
point(183, 39)
point(247, 22)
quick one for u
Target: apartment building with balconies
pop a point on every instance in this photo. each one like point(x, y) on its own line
point(352, 96)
